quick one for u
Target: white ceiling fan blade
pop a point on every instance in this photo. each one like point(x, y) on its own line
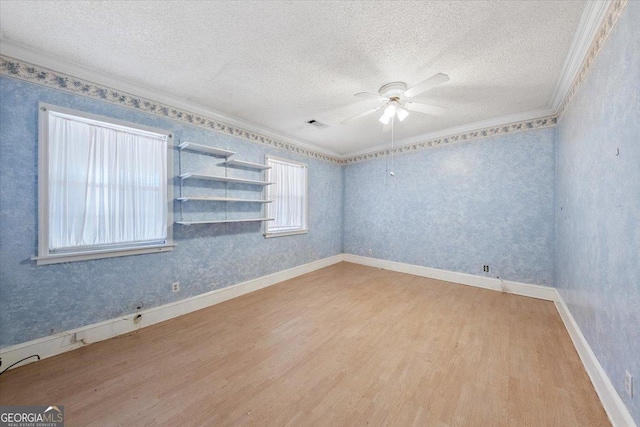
point(366, 113)
point(371, 96)
point(433, 81)
point(426, 109)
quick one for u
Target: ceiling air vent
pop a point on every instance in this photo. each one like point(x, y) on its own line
point(317, 124)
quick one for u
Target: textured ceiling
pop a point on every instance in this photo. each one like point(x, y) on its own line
point(279, 64)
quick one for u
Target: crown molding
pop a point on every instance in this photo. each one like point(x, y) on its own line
point(28, 55)
point(467, 129)
point(106, 92)
point(592, 16)
point(62, 75)
point(597, 23)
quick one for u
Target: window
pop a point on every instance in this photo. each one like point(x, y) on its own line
point(289, 198)
point(103, 187)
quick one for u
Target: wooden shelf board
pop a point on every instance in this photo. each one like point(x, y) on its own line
point(224, 179)
point(222, 199)
point(223, 221)
point(206, 149)
point(243, 164)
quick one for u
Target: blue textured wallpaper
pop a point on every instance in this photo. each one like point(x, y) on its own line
point(38, 301)
point(458, 207)
point(554, 206)
point(598, 206)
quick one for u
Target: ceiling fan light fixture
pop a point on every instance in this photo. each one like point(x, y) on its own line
point(402, 114)
point(390, 110)
point(394, 98)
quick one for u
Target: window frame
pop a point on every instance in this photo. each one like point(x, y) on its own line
point(305, 206)
point(45, 256)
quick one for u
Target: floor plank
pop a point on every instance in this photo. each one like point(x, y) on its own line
point(345, 345)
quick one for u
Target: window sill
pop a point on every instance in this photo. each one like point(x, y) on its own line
point(284, 233)
point(107, 253)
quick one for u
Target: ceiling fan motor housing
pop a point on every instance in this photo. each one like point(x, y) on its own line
point(392, 89)
point(395, 98)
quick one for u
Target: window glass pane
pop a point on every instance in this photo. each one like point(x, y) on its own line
point(107, 185)
point(289, 193)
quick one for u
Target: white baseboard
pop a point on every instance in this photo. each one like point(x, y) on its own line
point(517, 288)
point(615, 408)
point(60, 343)
point(63, 342)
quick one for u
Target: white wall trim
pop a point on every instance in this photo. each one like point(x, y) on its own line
point(24, 63)
point(590, 21)
point(63, 75)
point(62, 342)
point(43, 59)
point(56, 344)
point(597, 21)
point(615, 408)
point(516, 288)
point(605, 28)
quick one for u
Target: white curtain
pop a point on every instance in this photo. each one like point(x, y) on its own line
point(288, 195)
point(107, 185)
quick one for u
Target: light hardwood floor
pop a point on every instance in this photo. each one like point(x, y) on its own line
point(345, 345)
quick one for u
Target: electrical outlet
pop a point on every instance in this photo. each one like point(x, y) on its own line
point(370, 252)
point(628, 383)
point(175, 287)
point(485, 268)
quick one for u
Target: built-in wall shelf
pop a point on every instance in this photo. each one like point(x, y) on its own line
point(224, 179)
point(222, 221)
point(222, 199)
point(206, 149)
point(248, 165)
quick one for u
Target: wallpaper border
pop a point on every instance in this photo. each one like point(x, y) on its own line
point(15, 68)
point(21, 70)
point(606, 27)
point(521, 126)
point(18, 69)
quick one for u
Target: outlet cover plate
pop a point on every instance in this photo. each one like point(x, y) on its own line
point(628, 383)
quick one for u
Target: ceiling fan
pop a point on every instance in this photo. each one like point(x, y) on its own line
point(396, 100)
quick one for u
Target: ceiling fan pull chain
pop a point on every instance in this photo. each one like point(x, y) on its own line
point(393, 121)
point(386, 170)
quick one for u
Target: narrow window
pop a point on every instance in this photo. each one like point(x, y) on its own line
point(289, 198)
